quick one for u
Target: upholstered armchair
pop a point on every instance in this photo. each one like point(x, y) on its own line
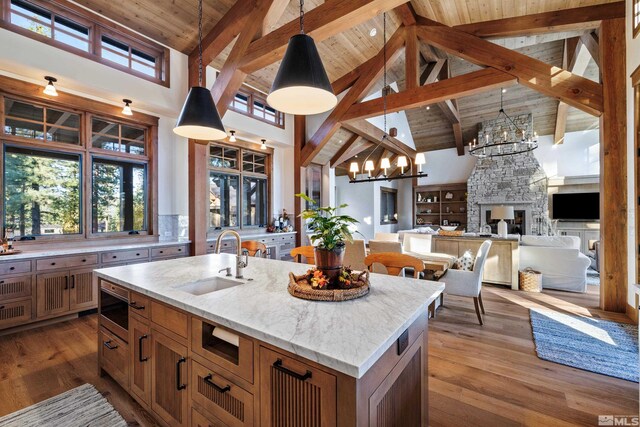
point(469, 283)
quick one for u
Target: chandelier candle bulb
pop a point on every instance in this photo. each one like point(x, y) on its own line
point(385, 164)
point(368, 167)
point(420, 160)
point(402, 163)
point(354, 169)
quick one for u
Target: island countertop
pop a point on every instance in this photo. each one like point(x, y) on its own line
point(346, 336)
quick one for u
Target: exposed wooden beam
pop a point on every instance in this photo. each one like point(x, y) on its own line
point(453, 88)
point(344, 151)
point(373, 133)
point(328, 19)
point(220, 36)
point(457, 135)
point(358, 91)
point(406, 13)
point(576, 91)
point(273, 15)
point(613, 168)
point(231, 77)
point(581, 18)
point(431, 72)
point(412, 58)
point(575, 59)
point(590, 41)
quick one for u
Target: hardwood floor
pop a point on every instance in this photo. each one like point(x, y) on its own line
point(490, 375)
point(480, 375)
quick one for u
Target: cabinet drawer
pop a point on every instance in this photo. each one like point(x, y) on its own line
point(13, 313)
point(139, 304)
point(66, 262)
point(114, 289)
point(235, 356)
point(114, 357)
point(225, 400)
point(108, 257)
point(199, 420)
point(16, 267)
point(16, 287)
point(170, 319)
point(172, 251)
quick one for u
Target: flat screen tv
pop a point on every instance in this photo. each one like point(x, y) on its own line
point(576, 206)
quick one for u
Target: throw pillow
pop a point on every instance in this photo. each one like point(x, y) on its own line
point(465, 262)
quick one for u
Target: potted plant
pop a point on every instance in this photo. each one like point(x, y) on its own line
point(329, 234)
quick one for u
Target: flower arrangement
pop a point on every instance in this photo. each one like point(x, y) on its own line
point(319, 280)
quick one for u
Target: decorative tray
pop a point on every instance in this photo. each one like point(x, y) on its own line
point(11, 252)
point(300, 287)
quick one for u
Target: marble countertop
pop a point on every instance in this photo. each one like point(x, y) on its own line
point(69, 249)
point(347, 336)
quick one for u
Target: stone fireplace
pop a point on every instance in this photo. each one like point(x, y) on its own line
point(517, 181)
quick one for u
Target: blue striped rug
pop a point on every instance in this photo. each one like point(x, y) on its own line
point(595, 345)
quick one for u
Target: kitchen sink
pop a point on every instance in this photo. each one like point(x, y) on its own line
point(206, 286)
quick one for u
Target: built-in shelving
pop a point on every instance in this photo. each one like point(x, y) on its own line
point(437, 205)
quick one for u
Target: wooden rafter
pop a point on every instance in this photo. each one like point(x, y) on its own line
point(271, 18)
point(581, 18)
point(590, 41)
point(330, 18)
point(412, 58)
point(431, 72)
point(220, 36)
point(406, 13)
point(373, 133)
point(449, 108)
point(575, 59)
point(231, 77)
point(576, 91)
point(356, 93)
point(453, 88)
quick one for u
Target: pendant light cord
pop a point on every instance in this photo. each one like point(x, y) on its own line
point(301, 16)
point(200, 42)
point(384, 83)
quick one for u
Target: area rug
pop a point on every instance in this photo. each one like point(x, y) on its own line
point(82, 406)
point(601, 346)
point(593, 277)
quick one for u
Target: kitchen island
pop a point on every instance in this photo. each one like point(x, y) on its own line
point(198, 348)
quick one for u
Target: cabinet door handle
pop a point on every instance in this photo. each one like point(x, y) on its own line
point(12, 268)
point(114, 257)
point(137, 254)
point(66, 282)
point(1, 307)
point(302, 377)
point(73, 281)
point(135, 306)
point(140, 357)
point(84, 260)
point(109, 346)
point(207, 380)
point(179, 385)
point(53, 263)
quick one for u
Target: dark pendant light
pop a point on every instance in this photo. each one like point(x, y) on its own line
point(301, 86)
point(199, 118)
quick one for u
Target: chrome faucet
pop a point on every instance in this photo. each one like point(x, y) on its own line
point(240, 263)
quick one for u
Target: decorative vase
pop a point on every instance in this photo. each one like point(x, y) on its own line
point(329, 262)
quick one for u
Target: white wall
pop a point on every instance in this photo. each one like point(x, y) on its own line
point(633, 61)
point(29, 60)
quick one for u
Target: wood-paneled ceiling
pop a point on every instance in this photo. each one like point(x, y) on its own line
point(174, 23)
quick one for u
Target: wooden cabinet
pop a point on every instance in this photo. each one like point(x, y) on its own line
point(52, 293)
point(169, 252)
point(220, 396)
point(294, 393)
point(65, 291)
point(139, 359)
point(503, 260)
point(14, 313)
point(279, 245)
point(199, 420)
point(15, 287)
point(15, 267)
point(122, 256)
point(113, 354)
point(169, 393)
point(48, 264)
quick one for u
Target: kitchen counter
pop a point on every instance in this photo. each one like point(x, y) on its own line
point(348, 337)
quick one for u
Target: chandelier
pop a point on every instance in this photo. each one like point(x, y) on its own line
point(512, 141)
point(385, 163)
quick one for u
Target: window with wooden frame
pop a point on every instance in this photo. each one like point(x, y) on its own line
point(254, 104)
point(388, 205)
point(69, 27)
point(239, 182)
point(636, 17)
point(73, 173)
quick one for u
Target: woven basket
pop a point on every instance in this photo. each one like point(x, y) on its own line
point(299, 287)
point(530, 280)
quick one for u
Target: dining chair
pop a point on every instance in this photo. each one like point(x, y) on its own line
point(395, 263)
point(387, 237)
point(254, 248)
point(354, 254)
point(383, 246)
point(304, 251)
point(469, 283)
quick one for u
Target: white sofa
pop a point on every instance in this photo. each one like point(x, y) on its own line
point(559, 260)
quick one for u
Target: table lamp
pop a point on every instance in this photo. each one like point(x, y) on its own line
point(502, 213)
